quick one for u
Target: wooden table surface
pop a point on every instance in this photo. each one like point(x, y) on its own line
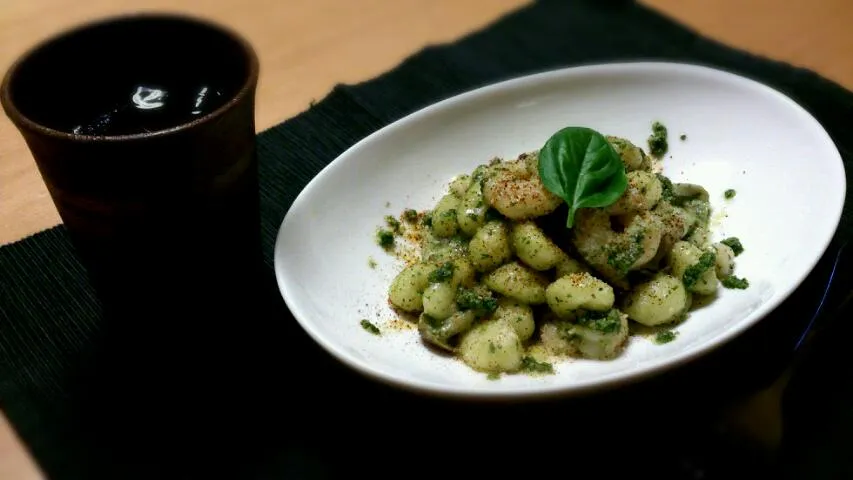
point(307, 46)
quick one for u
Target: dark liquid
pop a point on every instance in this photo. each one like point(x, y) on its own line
point(130, 78)
point(168, 225)
point(148, 107)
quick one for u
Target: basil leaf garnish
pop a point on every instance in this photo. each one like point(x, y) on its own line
point(580, 166)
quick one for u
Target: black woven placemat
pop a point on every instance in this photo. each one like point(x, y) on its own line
point(271, 404)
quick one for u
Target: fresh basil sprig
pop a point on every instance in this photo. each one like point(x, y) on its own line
point(580, 166)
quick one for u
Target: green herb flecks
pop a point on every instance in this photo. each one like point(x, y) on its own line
point(658, 144)
point(371, 262)
point(665, 336)
point(479, 174)
point(493, 376)
point(369, 327)
point(385, 238)
point(531, 365)
point(734, 244)
point(442, 273)
point(468, 299)
point(683, 137)
point(604, 322)
point(731, 281)
point(580, 166)
point(667, 189)
point(730, 194)
point(392, 223)
point(695, 271)
point(437, 250)
point(410, 215)
point(623, 257)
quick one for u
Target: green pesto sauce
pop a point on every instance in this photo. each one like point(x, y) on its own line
point(371, 262)
point(385, 238)
point(442, 273)
point(734, 244)
point(658, 144)
point(369, 327)
point(410, 215)
point(392, 223)
point(693, 272)
point(622, 259)
point(531, 365)
point(665, 337)
point(667, 193)
point(730, 194)
point(467, 299)
point(604, 322)
point(493, 376)
point(449, 214)
point(479, 174)
point(732, 281)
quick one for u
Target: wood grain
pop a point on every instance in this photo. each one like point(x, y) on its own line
point(307, 46)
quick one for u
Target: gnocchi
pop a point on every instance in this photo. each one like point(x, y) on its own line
point(534, 248)
point(567, 295)
point(444, 216)
point(493, 346)
point(489, 248)
point(518, 282)
point(695, 268)
point(663, 299)
point(499, 282)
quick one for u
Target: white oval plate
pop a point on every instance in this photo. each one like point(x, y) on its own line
point(788, 175)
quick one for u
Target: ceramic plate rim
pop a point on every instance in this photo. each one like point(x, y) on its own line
point(607, 382)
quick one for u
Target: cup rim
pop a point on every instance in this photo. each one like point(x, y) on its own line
point(24, 122)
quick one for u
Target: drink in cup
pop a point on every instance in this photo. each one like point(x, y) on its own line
point(142, 127)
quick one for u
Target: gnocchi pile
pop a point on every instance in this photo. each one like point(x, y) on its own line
point(501, 283)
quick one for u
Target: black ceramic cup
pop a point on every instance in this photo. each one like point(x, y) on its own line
point(142, 127)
